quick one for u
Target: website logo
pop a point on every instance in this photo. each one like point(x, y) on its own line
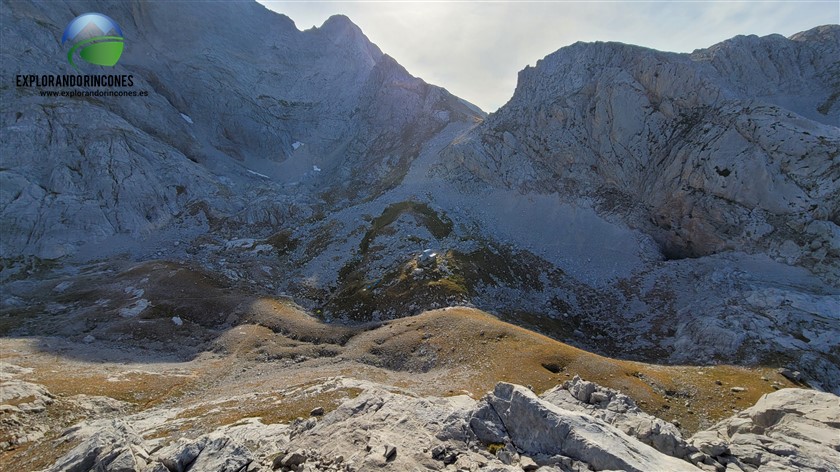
point(96, 38)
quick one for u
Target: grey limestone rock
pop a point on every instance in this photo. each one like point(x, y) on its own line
point(219, 136)
point(536, 426)
point(620, 411)
point(791, 429)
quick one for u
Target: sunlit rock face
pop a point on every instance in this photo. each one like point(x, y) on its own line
point(731, 147)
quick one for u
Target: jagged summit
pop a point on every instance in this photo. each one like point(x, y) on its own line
point(803, 65)
point(338, 23)
point(340, 32)
point(827, 33)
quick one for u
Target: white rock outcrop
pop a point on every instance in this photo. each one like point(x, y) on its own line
point(791, 429)
point(719, 149)
point(620, 411)
point(542, 429)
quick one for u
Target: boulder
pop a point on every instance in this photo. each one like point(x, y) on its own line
point(294, 458)
point(220, 453)
point(103, 445)
point(581, 389)
point(620, 411)
point(536, 426)
point(487, 426)
point(380, 428)
point(709, 442)
point(792, 429)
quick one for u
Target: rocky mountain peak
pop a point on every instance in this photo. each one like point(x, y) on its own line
point(339, 24)
point(269, 88)
point(827, 34)
point(343, 33)
point(605, 111)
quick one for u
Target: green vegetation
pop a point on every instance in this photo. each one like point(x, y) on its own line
point(453, 277)
point(322, 238)
point(829, 102)
point(358, 296)
point(282, 241)
point(494, 448)
point(439, 226)
point(490, 265)
point(452, 283)
point(23, 267)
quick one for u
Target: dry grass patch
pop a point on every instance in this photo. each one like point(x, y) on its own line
point(480, 351)
point(282, 317)
point(140, 388)
point(271, 408)
point(34, 455)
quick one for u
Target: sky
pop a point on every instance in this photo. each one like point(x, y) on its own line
point(475, 49)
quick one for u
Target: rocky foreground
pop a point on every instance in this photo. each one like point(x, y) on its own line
point(576, 426)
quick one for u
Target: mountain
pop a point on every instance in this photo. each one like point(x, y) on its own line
point(727, 159)
point(625, 200)
point(225, 98)
point(710, 151)
point(291, 227)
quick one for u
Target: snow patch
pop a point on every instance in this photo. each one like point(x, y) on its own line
point(187, 118)
point(134, 309)
point(177, 320)
point(296, 145)
point(240, 243)
point(60, 288)
point(134, 292)
point(316, 168)
point(258, 174)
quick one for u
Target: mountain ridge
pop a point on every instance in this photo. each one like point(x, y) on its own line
point(247, 137)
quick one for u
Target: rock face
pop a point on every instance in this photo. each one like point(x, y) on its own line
point(719, 149)
point(791, 429)
point(230, 131)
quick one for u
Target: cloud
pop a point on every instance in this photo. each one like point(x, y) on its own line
point(476, 48)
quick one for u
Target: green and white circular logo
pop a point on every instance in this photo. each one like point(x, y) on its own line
point(96, 38)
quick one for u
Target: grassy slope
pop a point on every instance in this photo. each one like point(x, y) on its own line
point(265, 346)
point(467, 350)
